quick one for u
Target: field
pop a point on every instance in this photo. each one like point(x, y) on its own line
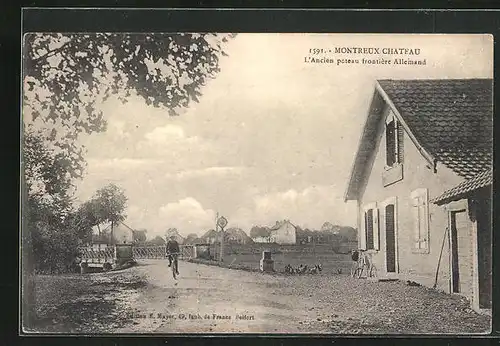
point(249, 256)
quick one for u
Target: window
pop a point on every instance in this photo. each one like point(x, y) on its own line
point(371, 229)
point(394, 141)
point(420, 210)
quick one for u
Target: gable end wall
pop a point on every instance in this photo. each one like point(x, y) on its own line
point(420, 267)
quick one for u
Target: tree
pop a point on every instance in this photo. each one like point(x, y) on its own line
point(139, 235)
point(173, 232)
point(327, 227)
point(47, 180)
point(65, 78)
point(107, 205)
point(110, 202)
point(190, 238)
point(260, 231)
point(348, 233)
point(156, 241)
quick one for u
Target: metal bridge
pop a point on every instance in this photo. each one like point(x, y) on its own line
point(109, 253)
point(160, 252)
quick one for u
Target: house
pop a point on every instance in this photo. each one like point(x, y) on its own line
point(110, 234)
point(283, 232)
point(264, 240)
point(139, 236)
point(210, 237)
point(422, 179)
point(236, 236)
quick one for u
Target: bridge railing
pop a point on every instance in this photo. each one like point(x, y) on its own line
point(149, 252)
point(160, 252)
point(100, 256)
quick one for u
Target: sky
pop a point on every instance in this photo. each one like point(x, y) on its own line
point(272, 137)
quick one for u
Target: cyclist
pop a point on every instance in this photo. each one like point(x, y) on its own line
point(173, 252)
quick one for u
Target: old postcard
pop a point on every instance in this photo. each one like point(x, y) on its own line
point(257, 183)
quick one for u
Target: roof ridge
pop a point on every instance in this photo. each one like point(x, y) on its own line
point(450, 119)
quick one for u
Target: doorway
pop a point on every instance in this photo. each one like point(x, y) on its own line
point(461, 246)
point(484, 247)
point(390, 238)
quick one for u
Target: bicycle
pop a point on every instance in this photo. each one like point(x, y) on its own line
point(363, 264)
point(175, 264)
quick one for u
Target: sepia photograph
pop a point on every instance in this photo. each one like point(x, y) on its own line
point(263, 183)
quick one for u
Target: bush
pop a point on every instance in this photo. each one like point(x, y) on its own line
point(54, 249)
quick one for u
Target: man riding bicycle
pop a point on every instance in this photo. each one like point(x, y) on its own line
point(173, 252)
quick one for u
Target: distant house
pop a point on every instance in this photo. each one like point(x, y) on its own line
point(110, 234)
point(139, 236)
point(237, 236)
point(422, 178)
point(262, 239)
point(283, 232)
point(210, 237)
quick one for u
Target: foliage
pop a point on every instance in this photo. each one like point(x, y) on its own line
point(48, 211)
point(236, 235)
point(173, 232)
point(191, 236)
point(329, 227)
point(327, 234)
point(156, 241)
point(109, 204)
point(67, 76)
point(139, 236)
point(260, 231)
point(349, 233)
point(54, 242)
point(47, 180)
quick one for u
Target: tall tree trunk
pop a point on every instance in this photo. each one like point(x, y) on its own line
point(28, 297)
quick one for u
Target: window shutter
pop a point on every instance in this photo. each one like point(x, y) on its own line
point(420, 209)
point(376, 229)
point(362, 238)
point(400, 140)
point(421, 213)
point(390, 144)
point(416, 221)
point(369, 229)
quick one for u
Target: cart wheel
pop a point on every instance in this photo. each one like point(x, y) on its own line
point(373, 272)
point(106, 267)
point(360, 272)
point(354, 269)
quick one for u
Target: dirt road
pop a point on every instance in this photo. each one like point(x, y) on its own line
point(213, 300)
point(209, 299)
point(249, 302)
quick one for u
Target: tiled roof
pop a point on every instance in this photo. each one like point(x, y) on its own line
point(477, 182)
point(279, 224)
point(451, 118)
